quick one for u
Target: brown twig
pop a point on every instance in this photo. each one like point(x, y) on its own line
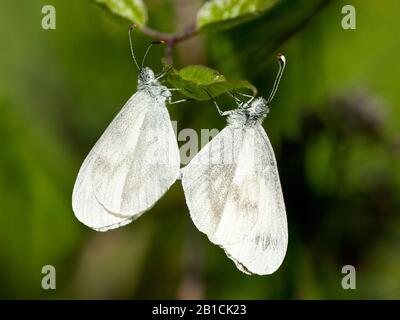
point(169, 39)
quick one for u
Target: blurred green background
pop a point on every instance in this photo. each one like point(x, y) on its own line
point(334, 126)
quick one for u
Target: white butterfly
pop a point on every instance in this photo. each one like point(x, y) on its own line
point(233, 191)
point(133, 163)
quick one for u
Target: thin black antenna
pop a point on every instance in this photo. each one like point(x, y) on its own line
point(131, 27)
point(148, 49)
point(282, 63)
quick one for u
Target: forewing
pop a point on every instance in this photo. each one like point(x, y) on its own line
point(220, 185)
point(137, 159)
point(264, 249)
point(86, 207)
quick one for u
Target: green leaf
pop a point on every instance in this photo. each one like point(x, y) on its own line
point(224, 14)
point(133, 10)
point(202, 83)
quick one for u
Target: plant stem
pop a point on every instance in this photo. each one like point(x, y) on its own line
point(170, 39)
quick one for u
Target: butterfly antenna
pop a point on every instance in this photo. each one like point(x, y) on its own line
point(148, 49)
point(131, 27)
point(282, 63)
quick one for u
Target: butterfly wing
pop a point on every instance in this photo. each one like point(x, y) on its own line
point(133, 163)
point(219, 188)
point(263, 250)
point(86, 207)
point(239, 205)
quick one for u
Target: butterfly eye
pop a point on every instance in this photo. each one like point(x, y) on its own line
point(260, 107)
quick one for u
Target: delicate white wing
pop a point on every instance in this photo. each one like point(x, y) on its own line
point(131, 166)
point(86, 207)
point(263, 250)
point(219, 187)
point(137, 157)
point(239, 205)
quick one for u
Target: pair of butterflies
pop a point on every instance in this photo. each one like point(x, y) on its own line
point(232, 185)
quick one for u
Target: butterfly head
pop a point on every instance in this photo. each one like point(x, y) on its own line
point(254, 111)
point(249, 113)
point(148, 81)
point(146, 77)
point(258, 108)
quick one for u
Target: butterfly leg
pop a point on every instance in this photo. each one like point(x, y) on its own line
point(222, 113)
point(245, 95)
point(179, 101)
point(163, 73)
point(237, 100)
point(176, 89)
point(217, 106)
